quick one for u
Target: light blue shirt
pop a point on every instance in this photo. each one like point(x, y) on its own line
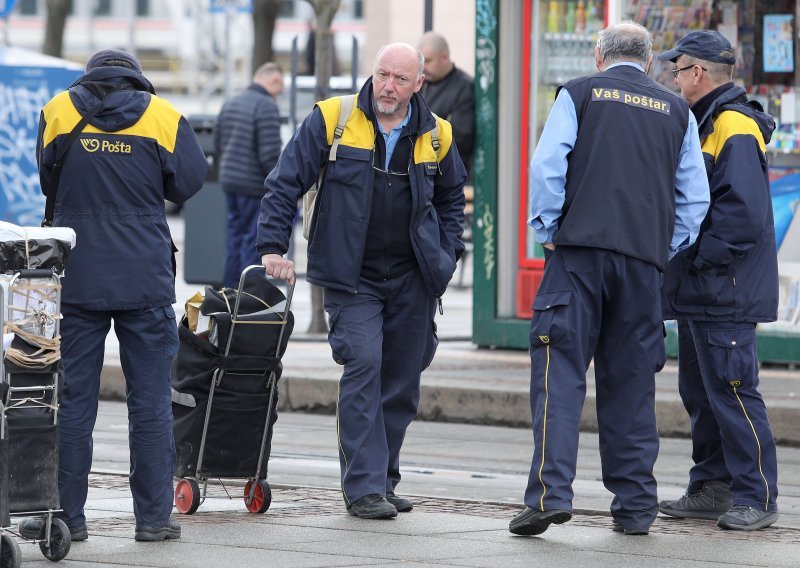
point(548, 175)
point(392, 137)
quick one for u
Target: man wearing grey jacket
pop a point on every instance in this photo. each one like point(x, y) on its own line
point(247, 143)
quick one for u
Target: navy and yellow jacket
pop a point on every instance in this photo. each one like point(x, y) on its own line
point(340, 225)
point(731, 272)
point(134, 153)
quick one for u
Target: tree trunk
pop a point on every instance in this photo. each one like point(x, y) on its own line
point(265, 12)
point(54, 32)
point(324, 10)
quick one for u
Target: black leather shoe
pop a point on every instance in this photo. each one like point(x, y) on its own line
point(402, 505)
point(616, 527)
point(530, 521)
point(147, 533)
point(372, 506)
point(31, 529)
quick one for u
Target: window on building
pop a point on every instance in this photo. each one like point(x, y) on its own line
point(358, 9)
point(27, 8)
point(287, 9)
point(102, 7)
point(142, 7)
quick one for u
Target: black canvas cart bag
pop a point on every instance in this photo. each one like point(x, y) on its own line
point(239, 406)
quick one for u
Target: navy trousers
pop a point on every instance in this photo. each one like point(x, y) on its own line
point(731, 436)
point(606, 305)
point(148, 340)
point(241, 240)
point(385, 337)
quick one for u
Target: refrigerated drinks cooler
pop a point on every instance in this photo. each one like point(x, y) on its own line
point(558, 39)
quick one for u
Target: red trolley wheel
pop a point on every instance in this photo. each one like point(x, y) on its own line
point(187, 496)
point(262, 498)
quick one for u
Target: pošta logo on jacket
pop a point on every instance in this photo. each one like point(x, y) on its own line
point(630, 99)
point(112, 147)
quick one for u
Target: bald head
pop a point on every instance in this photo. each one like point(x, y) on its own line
point(396, 76)
point(435, 42)
point(397, 51)
point(626, 41)
point(436, 54)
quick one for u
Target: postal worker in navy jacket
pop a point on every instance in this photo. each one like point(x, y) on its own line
point(136, 151)
point(718, 289)
point(617, 185)
point(385, 238)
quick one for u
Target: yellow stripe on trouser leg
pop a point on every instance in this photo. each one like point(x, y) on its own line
point(339, 436)
point(544, 339)
point(758, 443)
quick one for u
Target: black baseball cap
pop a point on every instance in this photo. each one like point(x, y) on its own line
point(708, 45)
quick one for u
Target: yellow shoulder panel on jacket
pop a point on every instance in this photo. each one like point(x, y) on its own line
point(731, 123)
point(60, 117)
point(423, 150)
point(359, 131)
point(159, 121)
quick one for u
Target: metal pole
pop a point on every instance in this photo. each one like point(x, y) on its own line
point(90, 25)
point(428, 15)
point(132, 27)
point(228, 53)
point(293, 88)
point(354, 66)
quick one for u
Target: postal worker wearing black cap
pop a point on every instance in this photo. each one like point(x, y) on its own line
point(135, 151)
point(718, 290)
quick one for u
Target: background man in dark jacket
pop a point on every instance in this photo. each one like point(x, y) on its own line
point(247, 142)
point(137, 151)
point(718, 290)
point(449, 93)
point(384, 241)
point(617, 185)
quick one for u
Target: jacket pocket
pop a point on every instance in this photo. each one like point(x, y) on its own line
point(546, 325)
point(733, 357)
point(347, 183)
point(713, 289)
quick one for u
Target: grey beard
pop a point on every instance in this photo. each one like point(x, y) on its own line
point(391, 109)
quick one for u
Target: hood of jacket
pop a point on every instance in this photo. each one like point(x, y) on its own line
point(732, 98)
point(124, 93)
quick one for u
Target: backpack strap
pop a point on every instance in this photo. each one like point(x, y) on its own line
point(435, 136)
point(346, 105)
point(55, 173)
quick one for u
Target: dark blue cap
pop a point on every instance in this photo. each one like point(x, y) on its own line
point(708, 45)
point(113, 58)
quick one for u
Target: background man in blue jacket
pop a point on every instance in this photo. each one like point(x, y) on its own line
point(383, 243)
point(617, 186)
point(718, 290)
point(247, 143)
point(137, 151)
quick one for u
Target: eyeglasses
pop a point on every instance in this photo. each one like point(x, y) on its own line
point(377, 168)
point(676, 71)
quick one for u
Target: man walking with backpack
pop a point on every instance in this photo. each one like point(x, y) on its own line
point(383, 243)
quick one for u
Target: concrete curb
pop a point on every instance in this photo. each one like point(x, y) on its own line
point(468, 405)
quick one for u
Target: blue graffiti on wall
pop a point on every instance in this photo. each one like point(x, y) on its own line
point(23, 93)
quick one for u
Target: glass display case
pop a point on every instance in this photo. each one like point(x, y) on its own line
point(558, 38)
